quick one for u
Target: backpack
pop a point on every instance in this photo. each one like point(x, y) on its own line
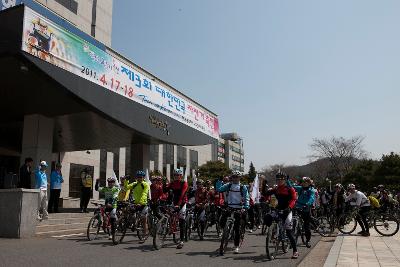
point(374, 202)
point(229, 190)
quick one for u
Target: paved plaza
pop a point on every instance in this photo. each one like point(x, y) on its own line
point(373, 251)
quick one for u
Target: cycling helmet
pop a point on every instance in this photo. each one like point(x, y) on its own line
point(339, 186)
point(140, 173)
point(280, 176)
point(306, 180)
point(178, 172)
point(199, 181)
point(351, 186)
point(236, 173)
point(208, 182)
point(381, 186)
point(111, 180)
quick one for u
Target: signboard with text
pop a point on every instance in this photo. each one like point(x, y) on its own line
point(52, 43)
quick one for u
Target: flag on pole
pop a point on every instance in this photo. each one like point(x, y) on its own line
point(255, 190)
point(115, 178)
point(194, 181)
point(185, 177)
point(147, 180)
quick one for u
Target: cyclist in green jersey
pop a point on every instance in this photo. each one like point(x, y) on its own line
point(111, 197)
point(140, 190)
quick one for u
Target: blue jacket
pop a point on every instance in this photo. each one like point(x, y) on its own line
point(55, 180)
point(305, 197)
point(41, 179)
point(245, 197)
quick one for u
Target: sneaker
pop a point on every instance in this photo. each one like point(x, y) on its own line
point(81, 211)
point(180, 245)
point(360, 233)
point(259, 227)
point(365, 234)
point(295, 255)
point(308, 244)
point(236, 250)
point(250, 231)
point(201, 238)
point(109, 237)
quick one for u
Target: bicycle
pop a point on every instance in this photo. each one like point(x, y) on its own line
point(276, 235)
point(167, 225)
point(228, 232)
point(189, 221)
point(298, 227)
point(130, 217)
point(100, 219)
point(385, 224)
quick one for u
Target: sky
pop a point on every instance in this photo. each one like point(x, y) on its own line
point(279, 73)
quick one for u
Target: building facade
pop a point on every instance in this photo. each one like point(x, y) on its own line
point(81, 130)
point(230, 151)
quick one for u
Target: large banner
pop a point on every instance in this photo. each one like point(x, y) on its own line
point(50, 42)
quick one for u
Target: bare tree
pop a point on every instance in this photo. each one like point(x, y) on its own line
point(341, 153)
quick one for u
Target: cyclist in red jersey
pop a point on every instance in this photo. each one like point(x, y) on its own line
point(286, 196)
point(201, 200)
point(179, 189)
point(157, 194)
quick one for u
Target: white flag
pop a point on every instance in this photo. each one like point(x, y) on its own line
point(255, 190)
point(147, 180)
point(194, 181)
point(186, 174)
point(115, 178)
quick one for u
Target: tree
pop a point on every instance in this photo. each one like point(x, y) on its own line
point(214, 169)
point(342, 153)
point(252, 172)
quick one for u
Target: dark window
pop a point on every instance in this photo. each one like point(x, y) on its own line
point(71, 5)
point(181, 156)
point(168, 154)
point(75, 181)
point(154, 155)
point(194, 159)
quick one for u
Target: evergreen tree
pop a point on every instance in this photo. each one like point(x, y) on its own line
point(252, 172)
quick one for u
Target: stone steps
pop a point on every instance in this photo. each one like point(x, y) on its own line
point(59, 233)
point(63, 224)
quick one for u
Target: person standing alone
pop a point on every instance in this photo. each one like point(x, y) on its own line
point(41, 183)
point(87, 183)
point(56, 180)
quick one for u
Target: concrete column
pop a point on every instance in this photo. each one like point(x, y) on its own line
point(37, 139)
point(140, 157)
point(122, 156)
point(188, 160)
point(168, 172)
point(175, 157)
point(160, 158)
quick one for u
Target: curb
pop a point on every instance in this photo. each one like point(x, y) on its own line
point(333, 256)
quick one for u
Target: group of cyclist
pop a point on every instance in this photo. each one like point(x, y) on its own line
point(228, 194)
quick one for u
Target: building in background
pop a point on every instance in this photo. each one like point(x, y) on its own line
point(230, 151)
point(85, 125)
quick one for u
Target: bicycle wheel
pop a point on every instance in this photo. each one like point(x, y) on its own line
point(297, 231)
point(323, 226)
point(347, 224)
point(189, 227)
point(140, 228)
point(93, 227)
point(160, 232)
point(119, 232)
point(226, 235)
point(272, 241)
point(386, 225)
